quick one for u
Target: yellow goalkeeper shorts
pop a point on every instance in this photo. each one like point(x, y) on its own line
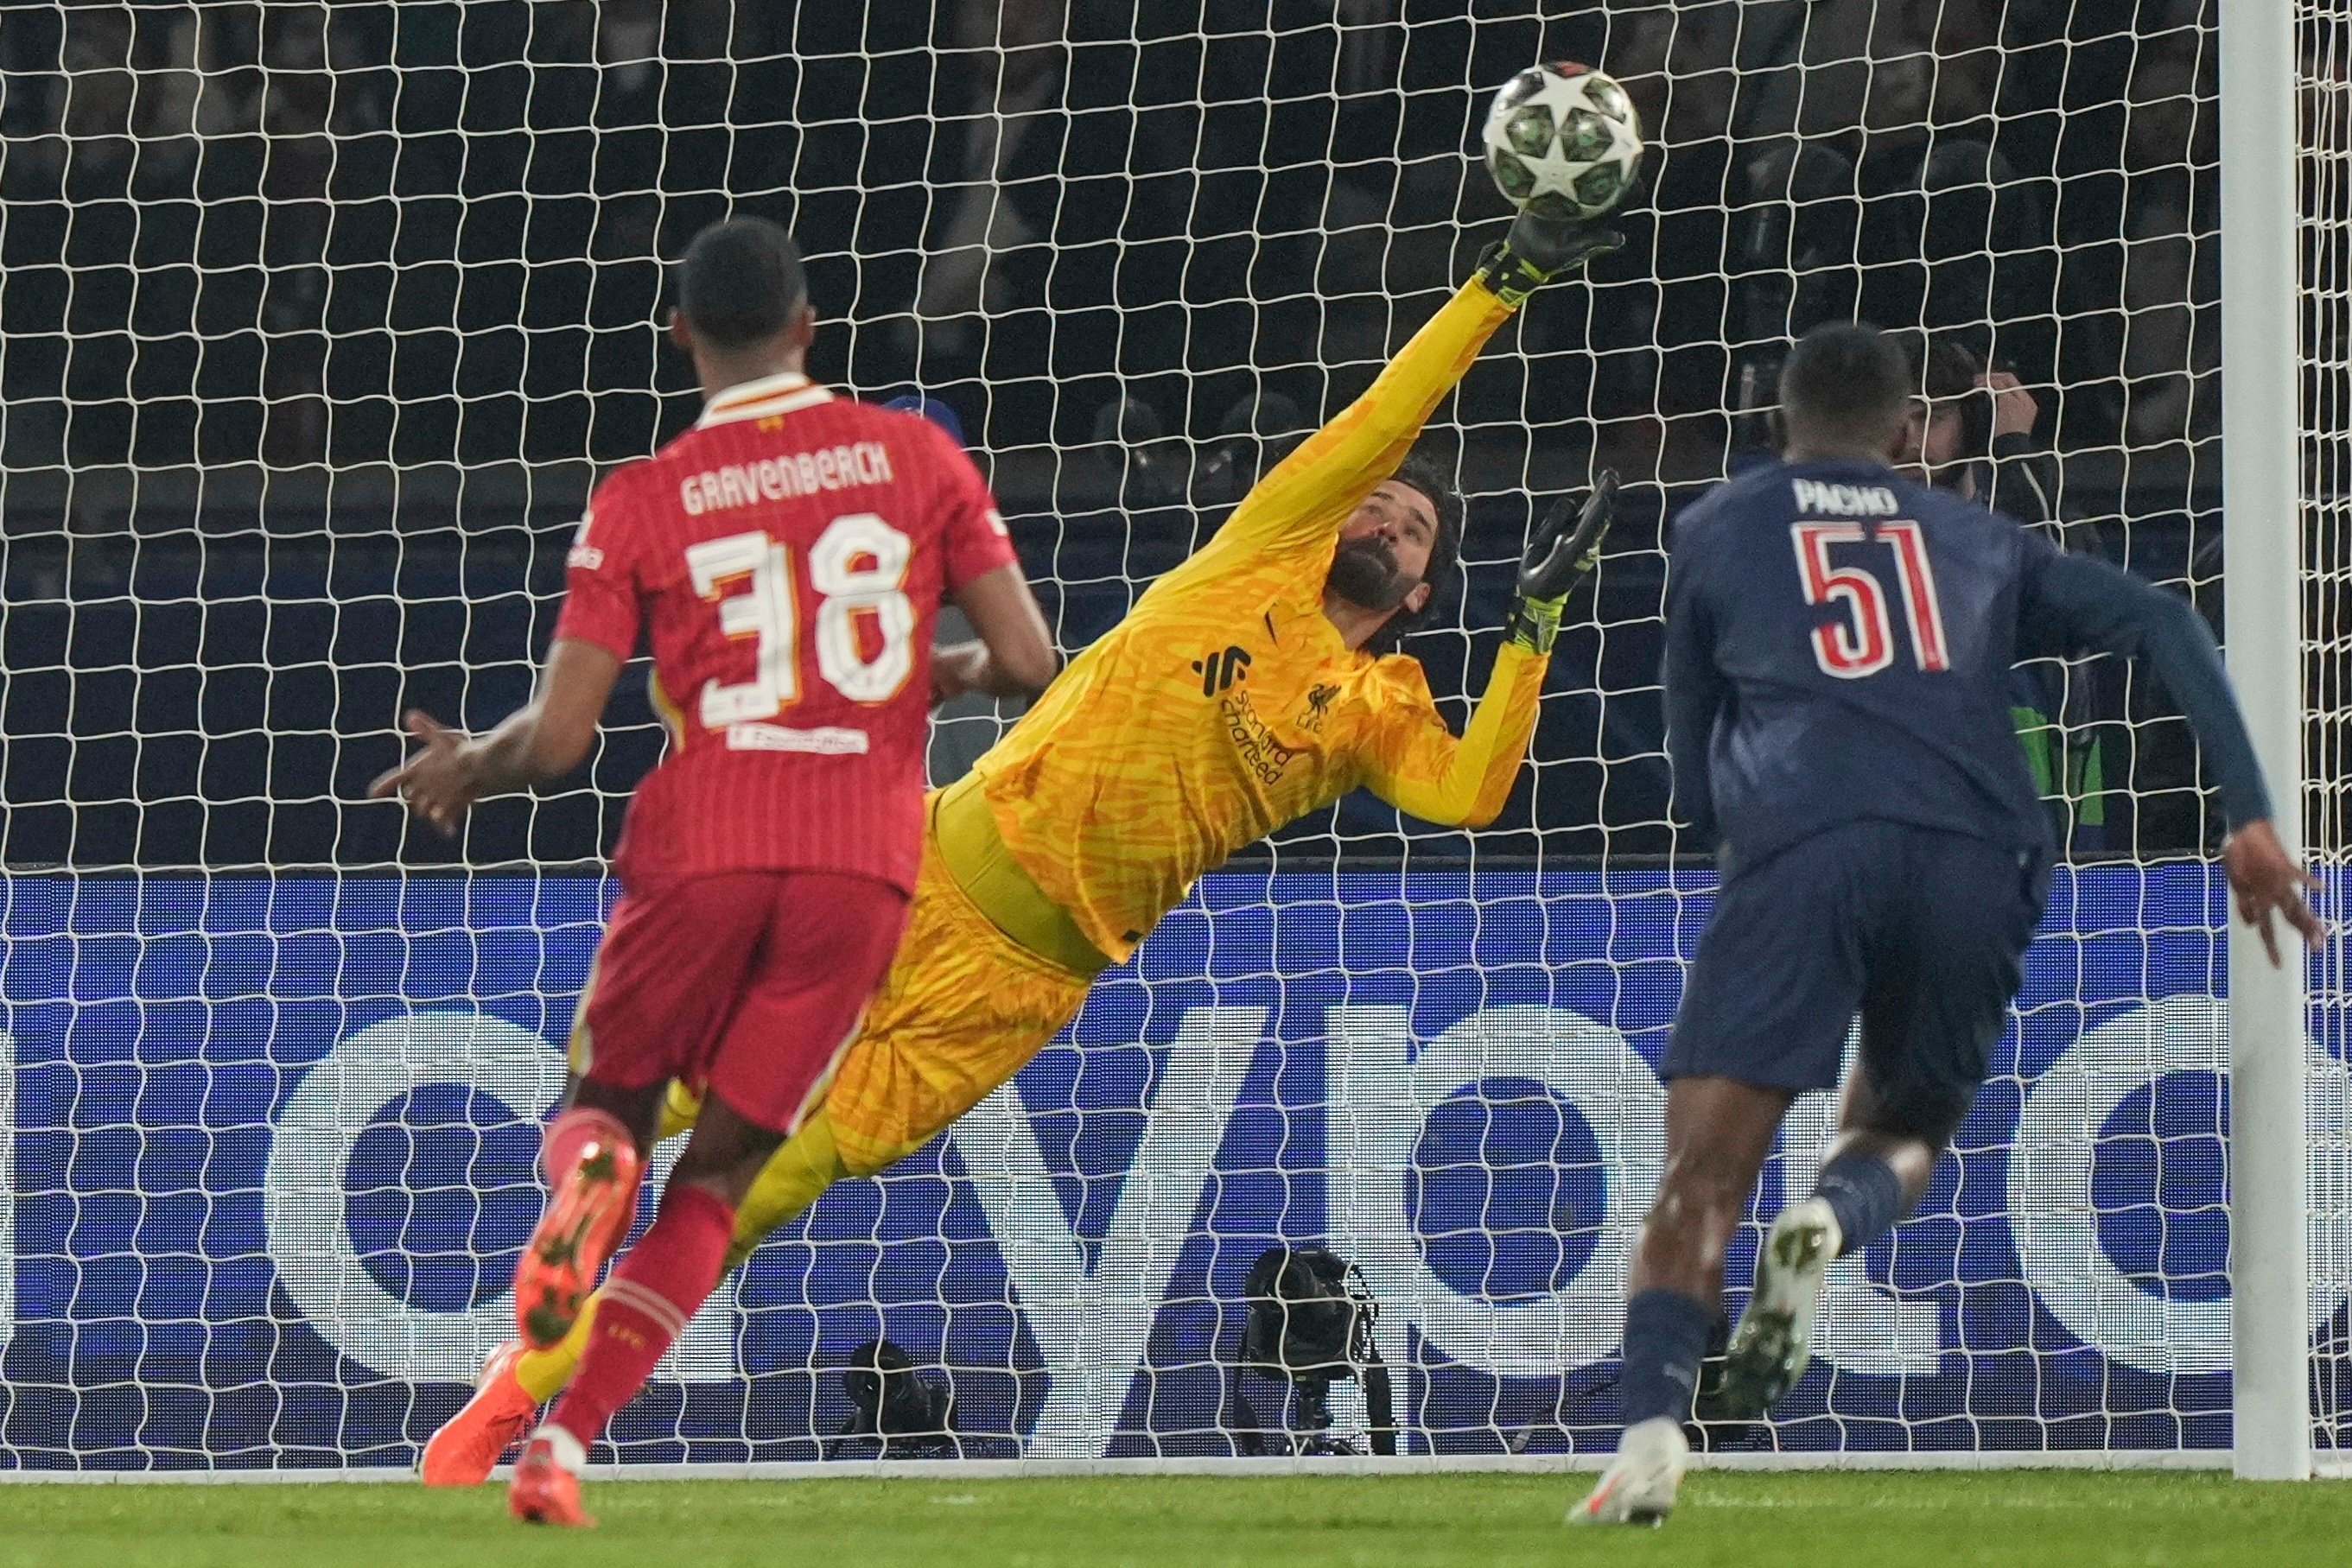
point(963, 1008)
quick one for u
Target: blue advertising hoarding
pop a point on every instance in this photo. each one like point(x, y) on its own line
point(273, 1146)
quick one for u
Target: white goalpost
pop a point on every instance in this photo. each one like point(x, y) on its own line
point(2262, 500)
point(319, 320)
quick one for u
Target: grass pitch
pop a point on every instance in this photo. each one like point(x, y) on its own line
point(1819, 1521)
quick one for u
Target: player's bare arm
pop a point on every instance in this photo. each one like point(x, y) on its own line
point(542, 741)
point(1013, 654)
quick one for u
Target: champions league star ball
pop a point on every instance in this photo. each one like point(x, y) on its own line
point(1563, 141)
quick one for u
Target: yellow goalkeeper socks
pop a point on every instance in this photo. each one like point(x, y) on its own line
point(543, 1372)
point(796, 1176)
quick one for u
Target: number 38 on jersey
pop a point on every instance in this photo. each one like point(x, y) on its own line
point(864, 625)
point(1863, 643)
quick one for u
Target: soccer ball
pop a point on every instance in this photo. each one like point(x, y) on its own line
point(1563, 141)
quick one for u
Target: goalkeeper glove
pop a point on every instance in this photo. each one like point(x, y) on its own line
point(1561, 550)
point(1537, 250)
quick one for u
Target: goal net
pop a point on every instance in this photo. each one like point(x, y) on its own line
point(320, 322)
point(2324, 189)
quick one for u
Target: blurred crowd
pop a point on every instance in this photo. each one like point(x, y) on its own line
point(1134, 248)
point(360, 231)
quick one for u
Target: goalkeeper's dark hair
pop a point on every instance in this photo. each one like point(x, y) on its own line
point(1942, 366)
point(1430, 475)
point(741, 282)
point(1949, 374)
point(1846, 383)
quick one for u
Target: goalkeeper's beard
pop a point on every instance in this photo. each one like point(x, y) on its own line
point(1364, 573)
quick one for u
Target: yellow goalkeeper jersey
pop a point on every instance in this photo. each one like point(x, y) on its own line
point(1226, 704)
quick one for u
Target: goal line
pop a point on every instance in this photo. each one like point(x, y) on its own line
point(1335, 1465)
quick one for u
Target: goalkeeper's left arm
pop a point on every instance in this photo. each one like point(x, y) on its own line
point(1305, 497)
point(1416, 765)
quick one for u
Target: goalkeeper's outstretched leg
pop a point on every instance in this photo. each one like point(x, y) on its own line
point(517, 1380)
point(810, 1162)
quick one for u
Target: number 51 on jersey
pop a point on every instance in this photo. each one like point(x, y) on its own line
point(1864, 644)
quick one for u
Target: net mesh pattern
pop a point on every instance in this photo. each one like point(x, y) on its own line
point(322, 319)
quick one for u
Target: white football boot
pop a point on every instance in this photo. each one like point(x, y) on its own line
point(1774, 1342)
point(1639, 1485)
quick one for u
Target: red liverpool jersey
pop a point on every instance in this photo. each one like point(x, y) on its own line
point(787, 557)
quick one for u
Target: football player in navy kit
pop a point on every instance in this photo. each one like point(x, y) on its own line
point(1839, 641)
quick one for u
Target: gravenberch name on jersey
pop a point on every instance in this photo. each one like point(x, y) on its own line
point(1842, 500)
point(782, 479)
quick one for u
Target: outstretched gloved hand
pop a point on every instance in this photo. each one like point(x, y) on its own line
point(1539, 249)
point(1562, 549)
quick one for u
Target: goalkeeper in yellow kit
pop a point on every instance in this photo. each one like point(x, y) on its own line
point(1236, 697)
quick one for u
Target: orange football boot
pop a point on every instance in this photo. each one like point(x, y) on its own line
point(544, 1493)
point(462, 1452)
point(587, 1215)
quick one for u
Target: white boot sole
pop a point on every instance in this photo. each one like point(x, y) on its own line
point(1774, 1342)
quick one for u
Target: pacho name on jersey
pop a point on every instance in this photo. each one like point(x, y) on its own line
point(782, 478)
point(1844, 500)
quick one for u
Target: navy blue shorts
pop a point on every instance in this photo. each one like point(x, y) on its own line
point(1919, 931)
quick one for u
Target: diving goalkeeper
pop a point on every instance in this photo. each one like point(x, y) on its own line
point(1237, 696)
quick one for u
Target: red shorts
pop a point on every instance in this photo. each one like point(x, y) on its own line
point(750, 984)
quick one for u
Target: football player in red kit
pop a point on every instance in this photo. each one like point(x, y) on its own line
point(784, 559)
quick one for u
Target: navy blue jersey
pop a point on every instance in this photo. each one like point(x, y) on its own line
point(1838, 642)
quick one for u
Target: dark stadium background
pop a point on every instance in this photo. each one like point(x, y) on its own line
point(306, 374)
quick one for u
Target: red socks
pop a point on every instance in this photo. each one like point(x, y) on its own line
point(560, 1150)
point(646, 1304)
